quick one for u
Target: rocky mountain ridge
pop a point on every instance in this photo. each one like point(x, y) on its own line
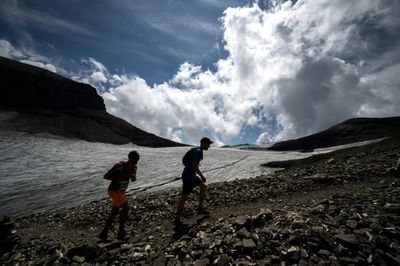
point(35, 100)
point(349, 131)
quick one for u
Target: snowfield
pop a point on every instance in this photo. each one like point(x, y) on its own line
point(42, 172)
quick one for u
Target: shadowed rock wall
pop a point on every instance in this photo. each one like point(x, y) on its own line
point(35, 100)
point(25, 86)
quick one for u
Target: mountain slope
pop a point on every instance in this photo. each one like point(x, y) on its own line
point(35, 100)
point(349, 131)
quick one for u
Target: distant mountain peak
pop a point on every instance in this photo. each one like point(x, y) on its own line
point(349, 131)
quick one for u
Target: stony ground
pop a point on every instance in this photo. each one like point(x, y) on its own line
point(337, 209)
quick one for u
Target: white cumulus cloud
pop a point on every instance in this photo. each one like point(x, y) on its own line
point(47, 66)
point(263, 138)
point(7, 50)
point(96, 74)
point(26, 56)
point(308, 65)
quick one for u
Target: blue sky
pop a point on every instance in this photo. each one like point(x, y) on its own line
point(148, 38)
point(236, 71)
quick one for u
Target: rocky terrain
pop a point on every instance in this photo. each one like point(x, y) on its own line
point(340, 208)
point(35, 100)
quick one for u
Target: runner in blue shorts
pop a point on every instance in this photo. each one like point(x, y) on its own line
point(192, 177)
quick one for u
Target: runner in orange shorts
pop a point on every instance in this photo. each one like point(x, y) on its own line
point(120, 175)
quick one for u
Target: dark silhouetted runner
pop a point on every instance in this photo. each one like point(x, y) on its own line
point(120, 175)
point(192, 177)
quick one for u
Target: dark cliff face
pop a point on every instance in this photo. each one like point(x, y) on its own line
point(35, 100)
point(25, 86)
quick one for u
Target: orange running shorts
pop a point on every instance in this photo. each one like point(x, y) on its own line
point(117, 196)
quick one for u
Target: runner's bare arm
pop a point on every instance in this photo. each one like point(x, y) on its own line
point(197, 170)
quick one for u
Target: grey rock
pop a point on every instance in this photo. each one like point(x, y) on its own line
point(317, 230)
point(160, 260)
point(324, 252)
point(243, 262)
point(303, 253)
point(347, 239)
point(353, 224)
point(318, 209)
point(249, 244)
point(348, 261)
point(202, 262)
point(196, 254)
point(223, 260)
point(238, 244)
point(243, 233)
point(303, 263)
point(78, 259)
point(263, 262)
point(242, 221)
point(298, 224)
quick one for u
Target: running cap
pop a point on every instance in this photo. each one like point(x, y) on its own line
point(206, 140)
